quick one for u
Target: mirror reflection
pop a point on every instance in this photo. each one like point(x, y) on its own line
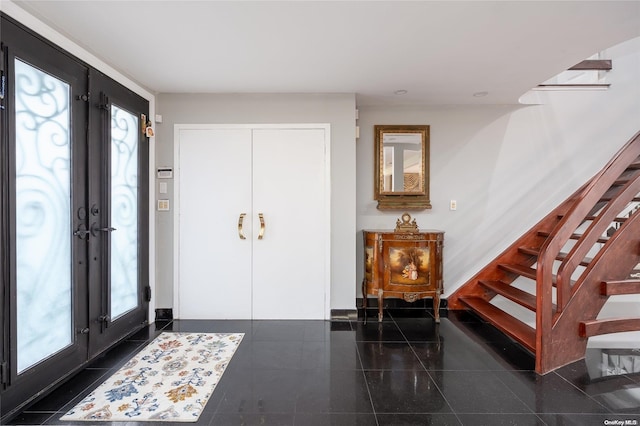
point(402, 159)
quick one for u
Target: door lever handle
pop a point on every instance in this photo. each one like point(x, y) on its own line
point(261, 233)
point(105, 229)
point(95, 230)
point(240, 220)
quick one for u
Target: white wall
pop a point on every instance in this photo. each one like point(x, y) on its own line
point(336, 109)
point(507, 166)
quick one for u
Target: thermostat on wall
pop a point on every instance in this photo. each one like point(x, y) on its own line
point(165, 173)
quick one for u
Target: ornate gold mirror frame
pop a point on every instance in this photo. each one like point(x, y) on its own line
point(402, 167)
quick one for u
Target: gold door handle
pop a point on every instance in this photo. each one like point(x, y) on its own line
point(261, 233)
point(240, 220)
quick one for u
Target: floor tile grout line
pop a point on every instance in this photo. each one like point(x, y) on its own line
point(512, 392)
point(582, 392)
point(366, 383)
point(428, 374)
point(444, 397)
point(49, 418)
point(79, 396)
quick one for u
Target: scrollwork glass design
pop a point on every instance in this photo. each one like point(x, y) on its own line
point(43, 215)
point(124, 211)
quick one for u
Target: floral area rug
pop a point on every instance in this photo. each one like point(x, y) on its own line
point(171, 379)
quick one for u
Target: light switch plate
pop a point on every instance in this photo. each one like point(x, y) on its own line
point(165, 172)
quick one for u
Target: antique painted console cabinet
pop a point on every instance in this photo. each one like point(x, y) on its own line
point(404, 263)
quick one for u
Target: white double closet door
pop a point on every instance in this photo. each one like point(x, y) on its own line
point(231, 264)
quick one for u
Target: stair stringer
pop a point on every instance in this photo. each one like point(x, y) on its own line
point(613, 262)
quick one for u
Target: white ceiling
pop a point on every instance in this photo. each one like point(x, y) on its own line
point(440, 52)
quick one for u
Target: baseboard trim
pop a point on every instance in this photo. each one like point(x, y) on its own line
point(164, 314)
point(344, 314)
point(420, 308)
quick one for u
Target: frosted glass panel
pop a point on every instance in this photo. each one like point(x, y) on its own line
point(124, 211)
point(43, 217)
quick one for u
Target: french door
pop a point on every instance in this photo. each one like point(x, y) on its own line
point(74, 213)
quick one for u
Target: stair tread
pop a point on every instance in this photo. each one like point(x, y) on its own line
point(634, 166)
point(534, 251)
point(527, 272)
point(520, 297)
point(627, 175)
point(609, 198)
point(508, 324)
point(615, 219)
point(522, 270)
point(574, 236)
point(620, 181)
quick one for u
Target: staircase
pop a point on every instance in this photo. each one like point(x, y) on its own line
point(563, 270)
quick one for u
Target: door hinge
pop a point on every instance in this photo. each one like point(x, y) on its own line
point(147, 293)
point(3, 77)
point(3, 374)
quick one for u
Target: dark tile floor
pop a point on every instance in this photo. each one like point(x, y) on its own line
point(403, 371)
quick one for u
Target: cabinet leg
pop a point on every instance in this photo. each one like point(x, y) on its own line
point(436, 306)
point(380, 304)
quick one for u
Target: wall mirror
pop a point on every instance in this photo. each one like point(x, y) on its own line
point(402, 167)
